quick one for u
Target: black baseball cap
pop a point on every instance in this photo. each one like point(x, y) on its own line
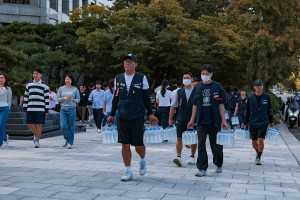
point(258, 82)
point(131, 57)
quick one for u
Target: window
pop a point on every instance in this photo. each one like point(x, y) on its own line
point(17, 1)
point(75, 4)
point(53, 4)
point(65, 6)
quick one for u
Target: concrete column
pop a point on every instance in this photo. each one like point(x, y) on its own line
point(45, 5)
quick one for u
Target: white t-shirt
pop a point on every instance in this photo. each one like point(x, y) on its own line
point(128, 80)
point(166, 100)
point(188, 93)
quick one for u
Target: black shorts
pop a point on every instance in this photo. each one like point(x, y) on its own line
point(258, 132)
point(35, 117)
point(180, 128)
point(131, 131)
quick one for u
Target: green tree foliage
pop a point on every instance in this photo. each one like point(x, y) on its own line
point(271, 38)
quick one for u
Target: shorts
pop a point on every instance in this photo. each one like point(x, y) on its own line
point(35, 117)
point(258, 132)
point(180, 128)
point(131, 131)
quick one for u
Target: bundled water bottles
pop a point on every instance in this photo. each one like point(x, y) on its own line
point(225, 138)
point(242, 134)
point(110, 135)
point(170, 133)
point(153, 134)
point(235, 120)
point(189, 137)
point(226, 115)
point(272, 135)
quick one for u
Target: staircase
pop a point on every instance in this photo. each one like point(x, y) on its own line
point(17, 129)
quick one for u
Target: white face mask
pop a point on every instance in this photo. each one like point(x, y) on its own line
point(187, 82)
point(205, 78)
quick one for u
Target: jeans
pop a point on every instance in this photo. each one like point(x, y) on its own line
point(67, 123)
point(98, 115)
point(164, 116)
point(104, 120)
point(4, 111)
point(217, 150)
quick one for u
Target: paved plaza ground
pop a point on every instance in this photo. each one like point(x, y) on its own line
point(92, 170)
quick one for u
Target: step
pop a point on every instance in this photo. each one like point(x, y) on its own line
point(25, 127)
point(29, 133)
point(44, 135)
point(16, 121)
point(16, 109)
point(16, 115)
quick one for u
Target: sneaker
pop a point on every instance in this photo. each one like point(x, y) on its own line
point(34, 139)
point(177, 161)
point(99, 130)
point(142, 168)
point(219, 170)
point(127, 177)
point(69, 146)
point(200, 173)
point(6, 142)
point(191, 161)
point(65, 143)
point(80, 122)
point(36, 144)
point(258, 161)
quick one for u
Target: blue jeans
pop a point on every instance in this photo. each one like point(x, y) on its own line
point(4, 111)
point(67, 123)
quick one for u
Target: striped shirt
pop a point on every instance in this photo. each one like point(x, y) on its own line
point(36, 97)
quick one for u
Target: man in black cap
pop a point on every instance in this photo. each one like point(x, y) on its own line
point(259, 111)
point(132, 99)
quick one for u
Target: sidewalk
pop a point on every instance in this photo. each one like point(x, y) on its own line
point(92, 170)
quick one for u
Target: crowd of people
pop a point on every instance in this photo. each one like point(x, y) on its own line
point(125, 101)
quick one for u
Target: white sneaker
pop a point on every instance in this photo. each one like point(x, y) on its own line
point(37, 144)
point(142, 168)
point(177, 161)
point(65, 143)
point(69, 146)
point(6, 142)
point(201, 173)
point(191, 161)
point(127, 177)
point(99, 130)
point(34, 139)
point(80, 122)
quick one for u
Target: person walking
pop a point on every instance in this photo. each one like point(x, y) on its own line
point(89, 106)
point(163, 101)
point(108, 97)
point(97, 97)
point(68, 96)
point(183, 100)
point(82, 105)
point(36, 105)
point(260, 114)
point(232, 100)
point(52, 99)
point(132, 99)
point(240, 108)
point(5, 103)
point(209, 103)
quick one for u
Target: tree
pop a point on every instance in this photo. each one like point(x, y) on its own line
point(10, 58)
point(271, 38)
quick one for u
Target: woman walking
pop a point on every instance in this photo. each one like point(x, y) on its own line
point(68, 96)
point(5, 103)
point(163, 101)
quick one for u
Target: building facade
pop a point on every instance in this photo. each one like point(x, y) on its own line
point(41, 11)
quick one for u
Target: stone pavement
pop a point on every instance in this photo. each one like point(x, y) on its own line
point(92, 170)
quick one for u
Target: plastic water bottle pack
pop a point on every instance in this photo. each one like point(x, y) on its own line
point(235, 120)
point(242, 134)
point(225, 138)
point(189, 137)
point(110, 135)
point(272, 135)
point(153, 134)
point(170, 133)
point(226, 115)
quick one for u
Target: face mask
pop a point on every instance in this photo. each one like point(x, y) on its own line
point(187, 82)
point(205, 78)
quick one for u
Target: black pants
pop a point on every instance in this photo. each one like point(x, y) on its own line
point(98, 115)
point(217, 150)
point(164, 116)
